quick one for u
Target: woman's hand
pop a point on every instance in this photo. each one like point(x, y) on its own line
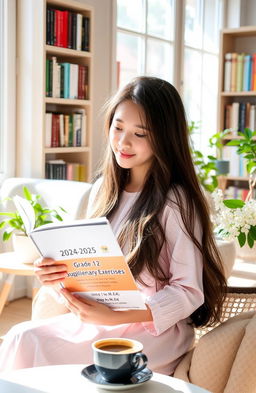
point(88, 310)
point(48, 272)
point(91, 311)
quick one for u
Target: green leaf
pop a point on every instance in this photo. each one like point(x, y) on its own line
point(212, 158)
point(58, 217)
point(8, 214)
point(252, 232)
point(7, 235)
point(2, 224)
point(234, 203)
point(234, 142)
point(250, 240)
point(27, 193)
point(242, 239)
point(248, 133)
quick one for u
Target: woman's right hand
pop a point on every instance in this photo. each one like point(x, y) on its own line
point(48, 272)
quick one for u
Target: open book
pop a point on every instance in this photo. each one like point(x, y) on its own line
point(95, 262)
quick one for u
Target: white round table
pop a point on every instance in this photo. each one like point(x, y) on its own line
point(68, 378)
point(11, 264)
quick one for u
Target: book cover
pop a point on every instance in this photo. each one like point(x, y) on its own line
point(96, 266)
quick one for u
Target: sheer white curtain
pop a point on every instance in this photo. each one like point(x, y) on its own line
point(7, 87)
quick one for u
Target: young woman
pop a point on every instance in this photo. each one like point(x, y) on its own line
point(149, 191)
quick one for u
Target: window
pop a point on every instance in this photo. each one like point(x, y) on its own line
point(7, 87)
point(203, 21)
point(145, 38)
point(177, 40)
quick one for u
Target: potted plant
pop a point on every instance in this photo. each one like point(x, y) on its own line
point(14, 223)
point(217, 141)
point(205, 167)
point(235, 218)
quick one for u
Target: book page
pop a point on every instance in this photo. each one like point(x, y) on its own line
point(96, 265)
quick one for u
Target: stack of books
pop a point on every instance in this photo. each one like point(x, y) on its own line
point(239, 72)
point(65, 130)
point(66, 80)
point(67, 29)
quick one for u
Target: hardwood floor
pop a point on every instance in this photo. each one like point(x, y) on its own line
point(16, 311)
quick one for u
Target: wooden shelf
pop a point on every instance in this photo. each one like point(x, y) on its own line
point(66, 101)
point(50, 150)
point(238, 94)
point(59, 51)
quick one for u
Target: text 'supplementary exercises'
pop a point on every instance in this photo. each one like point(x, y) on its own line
point(96, 265)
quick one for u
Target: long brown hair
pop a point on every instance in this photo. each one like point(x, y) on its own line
point(172, 169)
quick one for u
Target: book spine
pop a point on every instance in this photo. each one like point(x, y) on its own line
point(233, 71)
point(70, 30)
point(48, 129)
point(66, 130)
point(65, 28)
point(227, 72)
point(52, 33)
point(253, 84)
point(242, 116)
point(239, 72)
point(47, 78)
point(86, 34)
point(74, 23)
point(71, 131)
point(234, 117)
point(79, 32)
point(62, 136)
point(55, 140)
point(48, 26)
point(62, 71)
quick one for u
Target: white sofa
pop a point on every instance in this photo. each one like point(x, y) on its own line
point(71, 195)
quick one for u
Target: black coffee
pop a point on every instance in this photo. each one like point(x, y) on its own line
point(115, 348)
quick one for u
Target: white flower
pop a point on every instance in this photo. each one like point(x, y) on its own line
point(232, 222)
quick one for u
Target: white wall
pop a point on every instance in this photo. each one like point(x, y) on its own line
point(241, 13)
point(249, 13)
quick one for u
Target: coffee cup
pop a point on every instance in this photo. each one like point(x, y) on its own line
point(118, 359)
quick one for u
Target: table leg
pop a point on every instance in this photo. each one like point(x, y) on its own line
point(6, 290)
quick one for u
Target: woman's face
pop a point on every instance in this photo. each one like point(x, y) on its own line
point(129, 138)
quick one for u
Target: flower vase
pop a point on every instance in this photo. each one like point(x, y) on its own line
point(25, 248)
point(245, 252)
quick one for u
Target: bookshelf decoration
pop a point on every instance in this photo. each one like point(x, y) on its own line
point(67, 91)
point(237, 99)
point(54, 89)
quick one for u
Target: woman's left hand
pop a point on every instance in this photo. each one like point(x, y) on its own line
point(88, 310)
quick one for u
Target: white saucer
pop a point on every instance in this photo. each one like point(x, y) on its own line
point(94, 376)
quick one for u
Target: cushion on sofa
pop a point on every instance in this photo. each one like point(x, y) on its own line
point(224, 359)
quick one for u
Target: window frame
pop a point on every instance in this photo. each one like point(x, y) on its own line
point(179, 46)
point(145, 35)
point(7, 89)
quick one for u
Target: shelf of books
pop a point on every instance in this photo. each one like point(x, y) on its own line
point(237, 98)
point(68, 65)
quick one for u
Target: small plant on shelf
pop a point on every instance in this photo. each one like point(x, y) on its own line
point(15, 223)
